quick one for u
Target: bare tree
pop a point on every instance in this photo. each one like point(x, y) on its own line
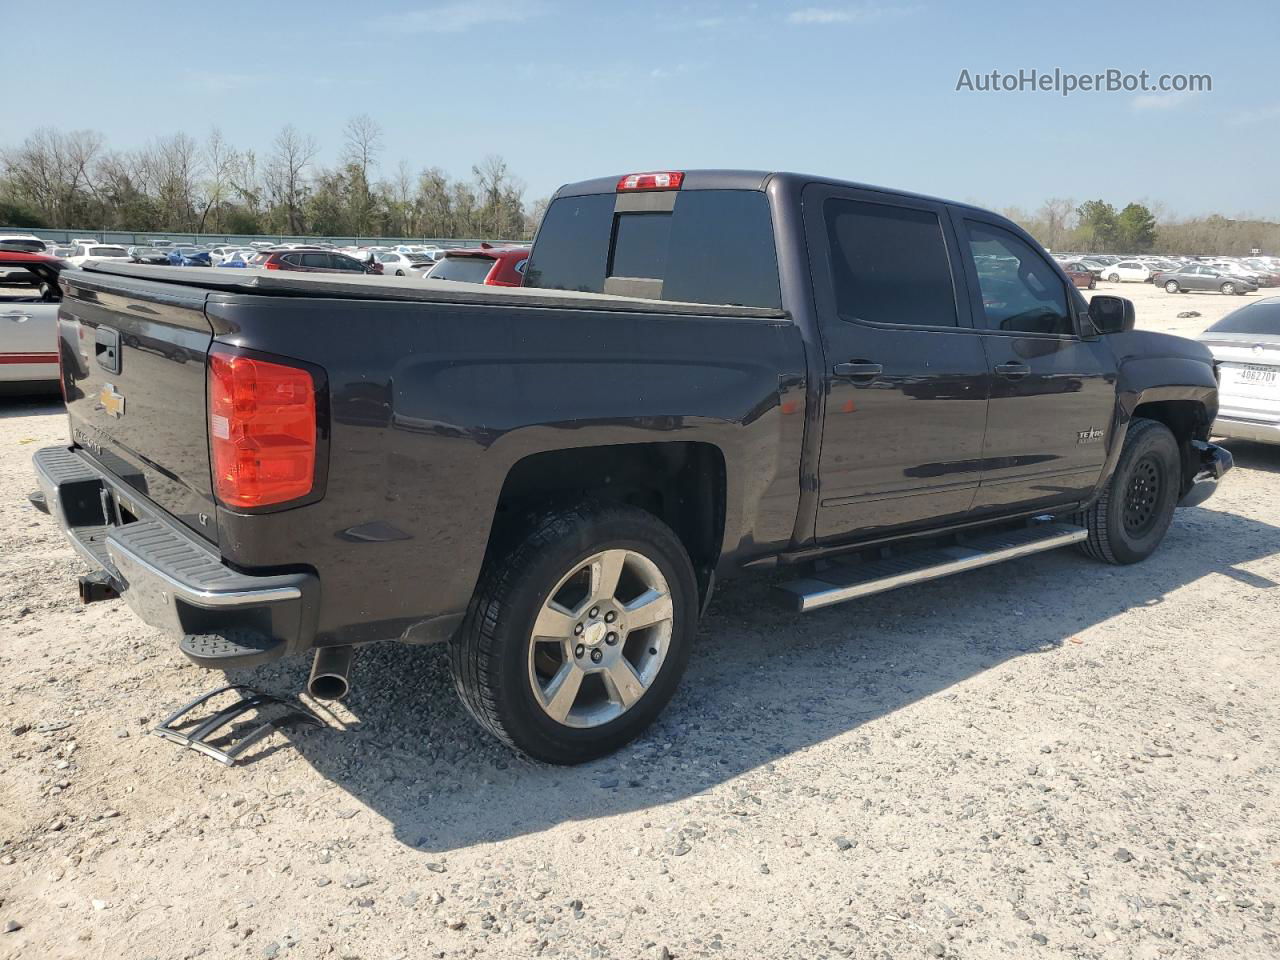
point(285, 174)
point(219, 160)
point(362, 142)
point(1056, 214)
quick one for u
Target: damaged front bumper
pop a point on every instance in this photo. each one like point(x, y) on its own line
point(1214, 462)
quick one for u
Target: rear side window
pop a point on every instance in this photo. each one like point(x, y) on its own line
point(316, 260)
point(464, 269)
point(1020, 291)
point(714, 246)
point(889, 264)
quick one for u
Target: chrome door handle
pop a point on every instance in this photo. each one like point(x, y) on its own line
point(1012, 371)
point(16, 317)
point(858, 370)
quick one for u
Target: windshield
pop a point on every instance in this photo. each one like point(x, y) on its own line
point(107, 252)
point(465, 269)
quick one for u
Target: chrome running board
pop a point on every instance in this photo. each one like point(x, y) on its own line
point(850, 579)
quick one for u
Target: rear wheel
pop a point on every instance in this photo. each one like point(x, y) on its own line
point(1131, 516)
point(1092, 282)
point(577, 636)
point(1171, 286)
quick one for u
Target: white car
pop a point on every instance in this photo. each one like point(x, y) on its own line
point(77, 241)
point(404, 264)
point(28, 331)
point(20, 243)
point(1246, 344)
point(96, 251)
point(1126, 271)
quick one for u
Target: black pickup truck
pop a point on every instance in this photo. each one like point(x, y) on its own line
point(704, 373)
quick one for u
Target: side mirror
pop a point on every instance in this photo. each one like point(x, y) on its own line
point(1111, 314)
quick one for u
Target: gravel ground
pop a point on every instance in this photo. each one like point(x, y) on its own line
point(1048, 758)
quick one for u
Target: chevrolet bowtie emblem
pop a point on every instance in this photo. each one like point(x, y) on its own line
point(112, 401)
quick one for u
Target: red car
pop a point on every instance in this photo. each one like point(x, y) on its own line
point(312, 261)
point(496, 266)
point(1080, 275)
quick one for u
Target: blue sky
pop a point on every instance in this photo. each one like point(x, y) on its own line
point(566, 90)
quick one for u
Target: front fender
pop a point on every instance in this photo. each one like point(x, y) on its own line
point(1156, 368)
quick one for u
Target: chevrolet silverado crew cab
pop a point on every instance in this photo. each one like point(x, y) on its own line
point(705, 373)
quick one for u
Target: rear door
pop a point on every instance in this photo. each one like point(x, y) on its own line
point(1052, 390)
point(905, 376)
point(134, 358)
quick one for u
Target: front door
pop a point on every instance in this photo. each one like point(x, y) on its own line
point(905, 376)
point(1052, 393)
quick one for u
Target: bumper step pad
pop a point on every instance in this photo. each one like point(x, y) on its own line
point(234, 648)
point(201, 734)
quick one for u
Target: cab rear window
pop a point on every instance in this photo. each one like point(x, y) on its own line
point(714, 246)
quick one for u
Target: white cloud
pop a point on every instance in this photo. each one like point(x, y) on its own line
point(458, 16)
point(862, 13)
point(1160, 101)
point(1255, 115)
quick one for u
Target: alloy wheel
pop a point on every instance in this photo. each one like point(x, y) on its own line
point(600, 638)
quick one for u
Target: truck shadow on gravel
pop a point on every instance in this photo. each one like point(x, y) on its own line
point(763, 683)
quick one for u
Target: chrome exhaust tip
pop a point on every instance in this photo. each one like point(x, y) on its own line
point(330, 671)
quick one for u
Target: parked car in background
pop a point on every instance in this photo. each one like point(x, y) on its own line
point(19, 243)
point(96, 251)
point(84, 241)
point(149, 255)
point(495, 266)
point(1080, 275)
point(396, 264)
point(237, 259)
point(1127, 271)
point(188, 256)
point(1197, 276)
point(313, 261)
point(1246, 344)
point(22, 243)
point(28, 325)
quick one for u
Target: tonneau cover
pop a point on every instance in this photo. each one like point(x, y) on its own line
point(365, 287)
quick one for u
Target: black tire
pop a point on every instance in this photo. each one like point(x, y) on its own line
point(1092, 283)
point(1131, 516)
point(489, 655)
point(399, 273)
point(1114, 278)
point(1171, 286)
point(1228, 288)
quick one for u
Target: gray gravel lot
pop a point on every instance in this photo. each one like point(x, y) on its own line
point(1049, 758)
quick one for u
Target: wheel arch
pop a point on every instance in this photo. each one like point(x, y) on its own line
point(1179, 392)
point(681, 482)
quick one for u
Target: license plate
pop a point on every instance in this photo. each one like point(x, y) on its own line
point(1257, 373)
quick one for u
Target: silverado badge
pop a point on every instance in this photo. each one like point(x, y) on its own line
point(112, 400)
point(1090, 435)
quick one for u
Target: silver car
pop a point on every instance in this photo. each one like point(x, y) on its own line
point(1246, 344)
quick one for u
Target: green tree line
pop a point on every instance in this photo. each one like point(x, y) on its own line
point(1096, 226)
point(179, 184)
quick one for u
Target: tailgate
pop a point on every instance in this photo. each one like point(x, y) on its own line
point(134, 354)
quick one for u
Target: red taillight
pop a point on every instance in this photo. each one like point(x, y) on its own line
point(271, 265)
point(262, 430)
point(670, 180)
